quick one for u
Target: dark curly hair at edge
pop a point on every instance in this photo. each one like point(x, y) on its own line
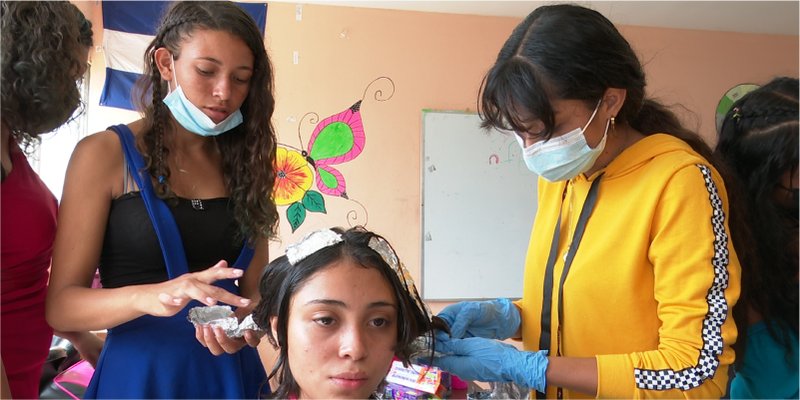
point(281, 280)
point(43, 49)
point(759, 140)
point(248, 151)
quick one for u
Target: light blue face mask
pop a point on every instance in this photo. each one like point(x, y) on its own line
point(192, 118)
point(564, 157)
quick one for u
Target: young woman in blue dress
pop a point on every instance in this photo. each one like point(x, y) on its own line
point(199, 164)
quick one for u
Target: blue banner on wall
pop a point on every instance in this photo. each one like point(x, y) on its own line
point(128, 27)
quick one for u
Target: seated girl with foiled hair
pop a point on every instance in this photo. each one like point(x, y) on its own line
point(347, 306)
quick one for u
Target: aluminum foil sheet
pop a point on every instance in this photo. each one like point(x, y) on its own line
point(223, 317)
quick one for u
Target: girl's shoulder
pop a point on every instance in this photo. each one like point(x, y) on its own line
point(106, 145)
point(100, 156)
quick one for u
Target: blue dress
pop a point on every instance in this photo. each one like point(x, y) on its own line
point(159, 357)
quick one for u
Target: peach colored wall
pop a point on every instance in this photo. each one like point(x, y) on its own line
point(694, 68)
point(437, 61)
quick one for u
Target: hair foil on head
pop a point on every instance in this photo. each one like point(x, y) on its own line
point(387, 253)
point(312, 243)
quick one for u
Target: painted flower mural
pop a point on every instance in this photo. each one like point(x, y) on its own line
point(335, 140)
point(293, 177)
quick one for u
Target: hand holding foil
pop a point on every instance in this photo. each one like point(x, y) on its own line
point(218, 328)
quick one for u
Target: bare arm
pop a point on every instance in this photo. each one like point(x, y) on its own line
point(88, 344)
point(250, 281)
point(94, 178)
point(5, 390)
point(578, 374)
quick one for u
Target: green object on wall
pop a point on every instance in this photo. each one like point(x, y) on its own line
point(731, 96)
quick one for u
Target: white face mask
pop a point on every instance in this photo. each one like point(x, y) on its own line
point(564, 157)
point(194, 119)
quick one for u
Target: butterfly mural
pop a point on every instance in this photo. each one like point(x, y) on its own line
point(335, 140)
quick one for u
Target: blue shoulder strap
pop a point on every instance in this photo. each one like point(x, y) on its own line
point(163, 222)
point(244, 257)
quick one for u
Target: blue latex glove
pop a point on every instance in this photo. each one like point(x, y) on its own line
point(493, 319)
point(488, 360)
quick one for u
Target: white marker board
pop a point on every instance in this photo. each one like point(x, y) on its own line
point(478, 206)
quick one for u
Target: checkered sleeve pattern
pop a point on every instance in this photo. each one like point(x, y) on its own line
point(708, 361)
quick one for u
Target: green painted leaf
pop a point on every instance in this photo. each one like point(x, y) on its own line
point(314, 202)
point(296, 215)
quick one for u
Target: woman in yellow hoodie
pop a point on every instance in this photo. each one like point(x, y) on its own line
point(630, 274)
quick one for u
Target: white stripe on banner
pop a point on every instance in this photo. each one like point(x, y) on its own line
point(134, 45)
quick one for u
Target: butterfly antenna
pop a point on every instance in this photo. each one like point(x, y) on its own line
point(352, 215)
point(379, 94)
point(312, 118)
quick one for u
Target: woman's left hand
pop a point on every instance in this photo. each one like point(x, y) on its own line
point(217, 342)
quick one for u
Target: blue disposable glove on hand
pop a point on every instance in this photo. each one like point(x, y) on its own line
point(493, 319)
point(488, 360)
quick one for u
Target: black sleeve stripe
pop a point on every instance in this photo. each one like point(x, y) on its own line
point(708, 360)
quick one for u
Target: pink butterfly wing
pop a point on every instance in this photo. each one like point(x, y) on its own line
point(337, 139)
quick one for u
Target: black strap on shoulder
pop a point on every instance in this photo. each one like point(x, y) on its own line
point(545, 340)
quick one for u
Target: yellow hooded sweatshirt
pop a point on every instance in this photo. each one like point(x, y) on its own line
point(650, 291)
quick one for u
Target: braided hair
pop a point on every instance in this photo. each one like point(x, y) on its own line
point(759, 141)
point(248, 151)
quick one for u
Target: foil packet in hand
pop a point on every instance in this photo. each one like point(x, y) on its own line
point(223, 317)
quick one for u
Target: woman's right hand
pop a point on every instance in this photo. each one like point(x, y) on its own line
point(492, 319)
point(174, 294)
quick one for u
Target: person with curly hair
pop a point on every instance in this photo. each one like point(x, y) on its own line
point(759, 140)
point(176, 210)
point(45, 49)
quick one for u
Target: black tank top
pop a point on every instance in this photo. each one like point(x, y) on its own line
point(132, 255)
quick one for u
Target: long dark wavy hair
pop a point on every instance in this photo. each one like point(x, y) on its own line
point(759, 139)
point(248, 151)
point(281, 280)
point(43, 48)
point(571, 52)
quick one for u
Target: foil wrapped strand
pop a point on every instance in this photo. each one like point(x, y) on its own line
point(385, 250)
point(310, 244)
point(223, 317)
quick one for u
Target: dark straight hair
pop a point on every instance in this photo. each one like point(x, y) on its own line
point(281, 280)
point(571, 52)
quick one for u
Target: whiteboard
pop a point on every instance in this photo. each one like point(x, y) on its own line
point(478, 206)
